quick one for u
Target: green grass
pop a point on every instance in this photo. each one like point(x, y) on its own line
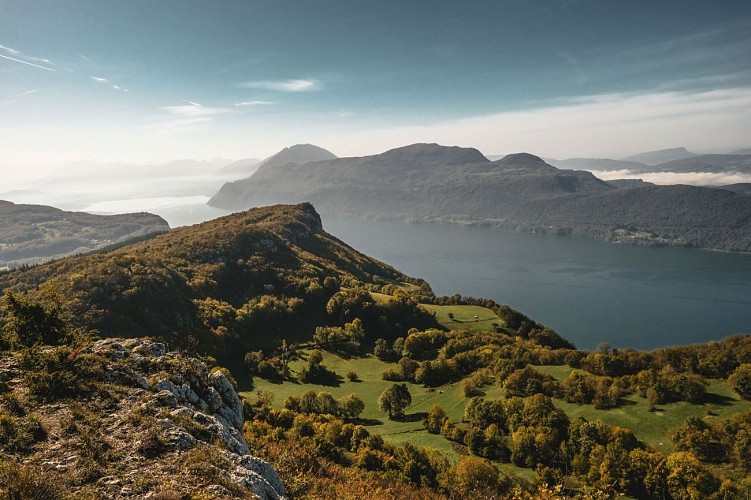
point(654, 428)
point(475, 318)
point(369, 370)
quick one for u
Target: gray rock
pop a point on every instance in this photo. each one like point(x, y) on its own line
point(164, 398)
point(166, 384)
point(230, 398)
point(151, 349)
point(180, 439)
point(213, 399)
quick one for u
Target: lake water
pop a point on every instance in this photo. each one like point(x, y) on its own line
point(589, 291)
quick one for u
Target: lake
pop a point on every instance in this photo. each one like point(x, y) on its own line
point(590, 291)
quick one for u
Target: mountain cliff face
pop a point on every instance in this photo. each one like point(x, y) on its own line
point(151, 422)
point(34, 233)
point(435, 183)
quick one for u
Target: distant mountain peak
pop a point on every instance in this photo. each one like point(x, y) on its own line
point(661, 156)
point(299, 154)
point(523, 160)
point(447, 155)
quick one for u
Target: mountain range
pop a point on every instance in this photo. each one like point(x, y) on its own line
point(429, 182)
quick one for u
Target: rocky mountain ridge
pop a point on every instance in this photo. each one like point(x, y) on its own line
point(159, 416)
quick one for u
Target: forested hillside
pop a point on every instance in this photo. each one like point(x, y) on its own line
point(34, 233)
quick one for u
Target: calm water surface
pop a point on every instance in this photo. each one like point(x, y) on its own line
point(589, 291)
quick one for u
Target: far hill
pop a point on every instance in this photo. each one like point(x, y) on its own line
point(629, 183)
point(601, 164)
point(707, 163)
point(744, 151)
point(661, 156)
point(297, 154)
point(428, 182)
point(240, 168)
point(35, 233)
point(741, 187)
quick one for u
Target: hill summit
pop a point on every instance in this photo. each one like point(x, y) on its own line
point(297, 154)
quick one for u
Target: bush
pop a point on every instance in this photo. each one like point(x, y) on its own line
point(19, 434)
point(22, 482)
point(740, 380)
point(60, 372)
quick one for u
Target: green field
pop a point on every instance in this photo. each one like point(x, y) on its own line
point(369, 388)
point(653, 428)
point(475, 318)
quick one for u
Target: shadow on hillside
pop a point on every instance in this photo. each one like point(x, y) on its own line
point(369, 421)
point(626, 402)
point(413, 417)
point(717, 399)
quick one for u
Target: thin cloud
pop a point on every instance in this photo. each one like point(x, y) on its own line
point(299, 85)
point(104, 81)
point(254, 103)
point(26, 63)
point(15, 97)
point(25, 58)
point(84, 58)
point(194, 110)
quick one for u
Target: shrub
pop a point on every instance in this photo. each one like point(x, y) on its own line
point(740, 380)
point(19, 434)
point(21, 482)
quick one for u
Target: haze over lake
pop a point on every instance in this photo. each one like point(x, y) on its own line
point(589, 291)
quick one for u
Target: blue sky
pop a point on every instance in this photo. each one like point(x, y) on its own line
point(156, 80)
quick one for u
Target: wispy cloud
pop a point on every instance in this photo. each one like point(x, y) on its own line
point(17, 97)
point(84, 58)
point(26, 63)
point(19, 57)
point(26, 93)
point(193, 109)
point(299, 85)
point(254, 103)
point(107, 82)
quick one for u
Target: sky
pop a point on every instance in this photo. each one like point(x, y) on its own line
point(152, 81)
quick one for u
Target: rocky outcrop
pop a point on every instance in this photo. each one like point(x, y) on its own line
point(171, 423)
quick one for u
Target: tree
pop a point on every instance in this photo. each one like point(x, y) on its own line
point(740, 380)
point(472, 474)
point(687, 478)
point(395, 400)
point(29, 323)
point(350, 406)
point(435, 420)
